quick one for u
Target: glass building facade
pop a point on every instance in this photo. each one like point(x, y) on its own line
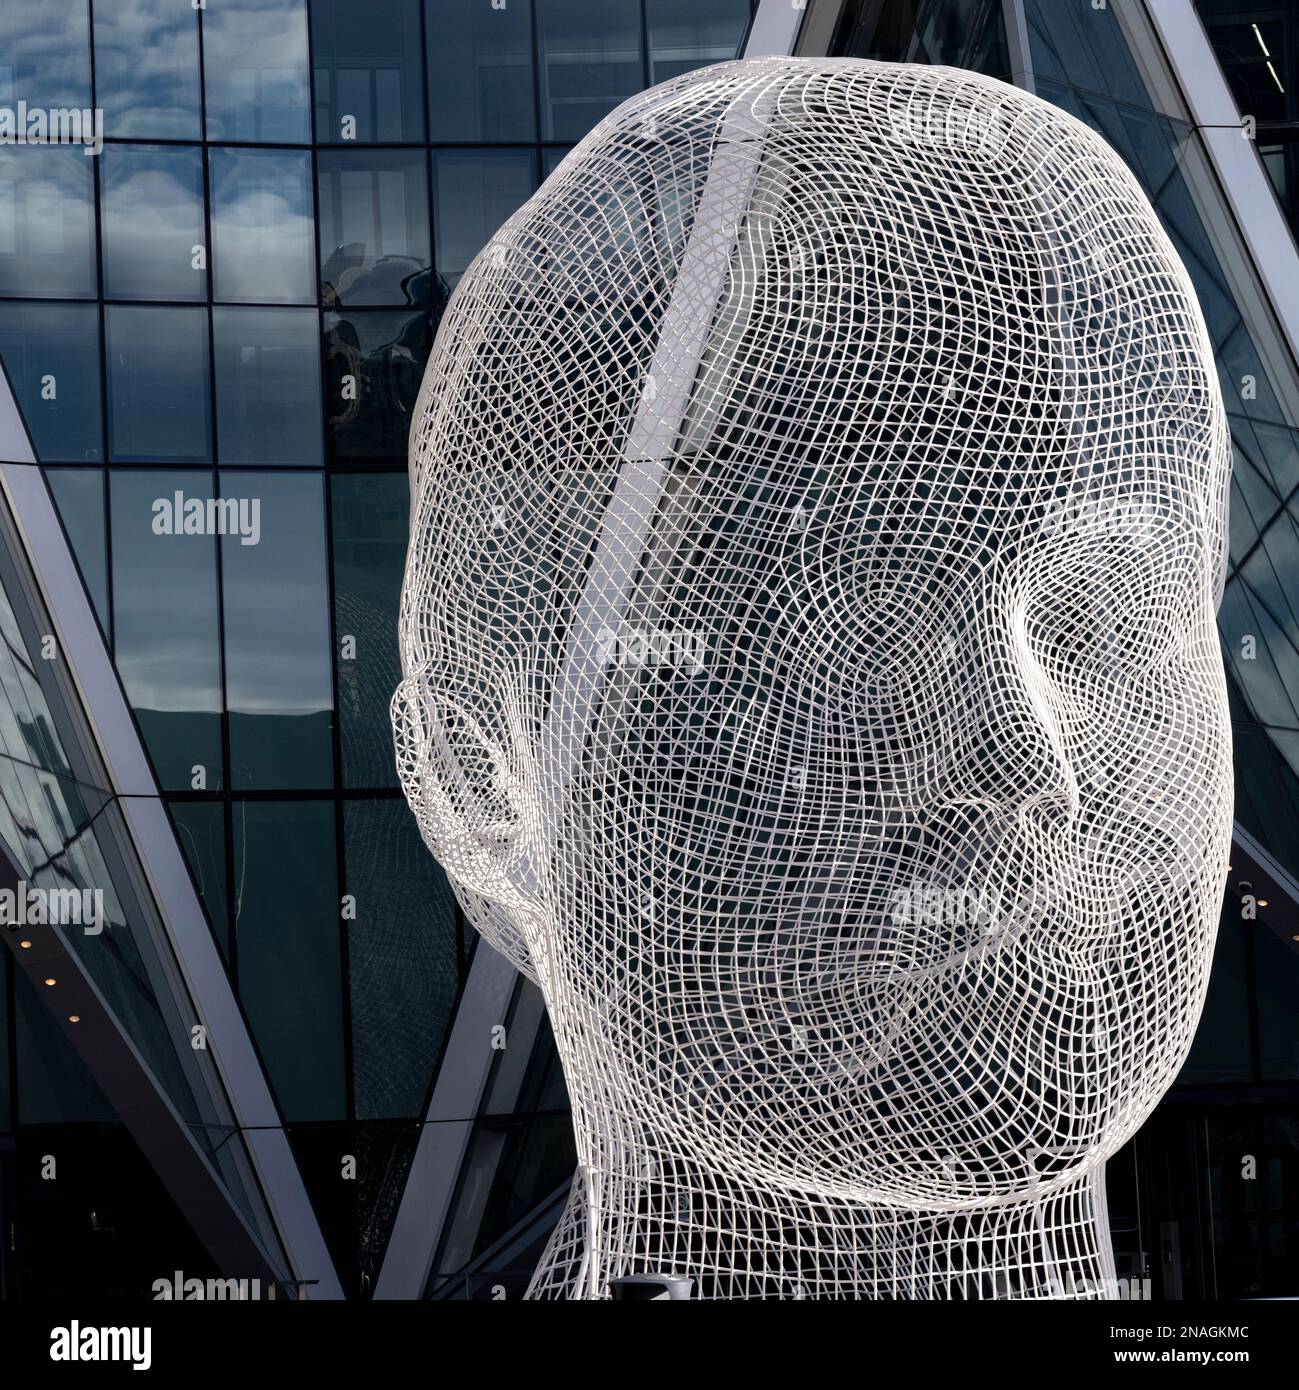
point(235, 300)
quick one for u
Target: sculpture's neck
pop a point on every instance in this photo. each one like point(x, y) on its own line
point(737, 1241)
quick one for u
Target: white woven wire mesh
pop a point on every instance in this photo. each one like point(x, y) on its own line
point(810, 674)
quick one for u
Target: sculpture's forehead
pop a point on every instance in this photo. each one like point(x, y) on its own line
point(947, 310)
point(901, 232)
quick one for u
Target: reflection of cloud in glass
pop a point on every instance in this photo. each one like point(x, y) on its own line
point(46, 65)
point(164, 598)
point(262, 226)
point(146, 68)
point(277, 632)
point(45, 221)
point(153, 218)
point(255, 70)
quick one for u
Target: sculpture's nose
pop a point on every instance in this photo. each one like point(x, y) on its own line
point(1014, 743)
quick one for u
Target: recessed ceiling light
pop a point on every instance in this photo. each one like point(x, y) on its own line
point(74, 1018)
point(51, 981)
point(26, 945)
point(1262, 902)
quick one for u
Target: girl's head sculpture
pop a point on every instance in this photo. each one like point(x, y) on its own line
point(818, 498)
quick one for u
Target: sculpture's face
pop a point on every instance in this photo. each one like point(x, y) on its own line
point(876, 851)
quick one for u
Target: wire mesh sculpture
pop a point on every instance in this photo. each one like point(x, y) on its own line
point(810, 680)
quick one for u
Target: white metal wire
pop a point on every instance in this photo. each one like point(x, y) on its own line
point(818, 498)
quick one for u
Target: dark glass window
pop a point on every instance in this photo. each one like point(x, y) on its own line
point(255, 71)
point(45, 64)
point(374, 363)
point(201, 830)
point(551, 159)
point(369, 77)
point(959, 34)
point(276, 611)
point(369, 527)
point(403, 958)
point(474, 191)
point(158, 384)
point(1248, 1207)
point(267, 385)
point(480, 73)
point(590, 61)
point(165, 622)
point(47, 226)
point(152, 222)
point(51, 353)
point(263, 243)
point(683, 34)
point(1276, 974)
point(146, 69)
point(374, 234)
point(79, 496)
point(288, 943)
point(6, 1098)
point(1221, 1051)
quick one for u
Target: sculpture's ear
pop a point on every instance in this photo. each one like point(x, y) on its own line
point(456, 771)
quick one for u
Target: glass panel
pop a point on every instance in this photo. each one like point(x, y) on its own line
point(152, 210)
point(374, 235)
point(1222, 1050)
point(958, 33)
point(1074, 42)
point(590, 61)
point(551, 159)
point(46, 65)
point(263, 248)
point(166, 630)
point(370, 534)
point(511, 1167)
point(1257, 53)
point(79, 496)
point(146, 69)
point(276, 611)
point(51, 354)
point(201, 830)
point(374, 363)
point(47, 229)
point(1254, 54)
point(255, 71)
point(158, 384)
point(267, 386)
point(288, 943)
point(1251, 1205)
point(369, 78)
point(474, 191)
point(480, 73)
point(6, 1097)
point(1276, 977)
point(684, 34)
point(402, 958)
